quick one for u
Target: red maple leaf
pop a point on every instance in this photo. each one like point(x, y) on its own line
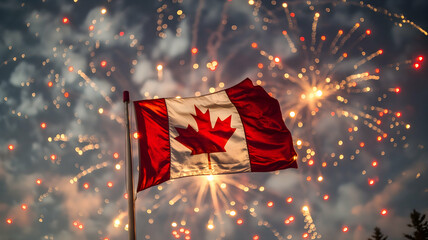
point(207, 139)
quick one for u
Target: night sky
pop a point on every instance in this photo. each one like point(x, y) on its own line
point(350, 78)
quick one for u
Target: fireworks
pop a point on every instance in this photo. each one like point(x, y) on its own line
point(333, 66)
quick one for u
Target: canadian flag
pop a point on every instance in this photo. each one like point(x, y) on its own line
point(239, 129)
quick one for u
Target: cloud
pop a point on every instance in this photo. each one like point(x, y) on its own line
point(284, 182)
point(22, 74)
point(143, 70)
point(31, 106)
point(106, 26)
point(164, 87)
point(12, 38)
point(172, 46)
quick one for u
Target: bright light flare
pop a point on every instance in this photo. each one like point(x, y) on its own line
point(65, 20)
point(210, 226)
point(116, 223)
point(11, 147)
point(212, 65)
point(9, 221)
point(289, 220)
point(103, 63)
point(136, 135)
point(345, 229)
point(416, 65)
point(383, 212)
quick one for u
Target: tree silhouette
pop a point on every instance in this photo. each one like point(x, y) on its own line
point(378, 235)
point(420, 226)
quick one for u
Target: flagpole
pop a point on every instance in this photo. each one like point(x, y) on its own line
point(129, 179)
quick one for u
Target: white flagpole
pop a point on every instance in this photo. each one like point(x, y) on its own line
point(129, 179)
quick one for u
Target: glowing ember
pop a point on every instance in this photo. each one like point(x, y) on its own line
point(136, 135)
point(416, 65)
